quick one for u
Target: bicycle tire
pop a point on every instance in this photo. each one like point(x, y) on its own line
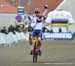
point(35, 58)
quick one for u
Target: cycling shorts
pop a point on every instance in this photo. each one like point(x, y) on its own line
point(36, 33)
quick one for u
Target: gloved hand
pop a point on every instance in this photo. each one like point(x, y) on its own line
point(46, 6)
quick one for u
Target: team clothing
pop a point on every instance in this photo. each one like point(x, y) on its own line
point(37, 24)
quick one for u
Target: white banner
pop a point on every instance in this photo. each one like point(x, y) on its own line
point(63, 36)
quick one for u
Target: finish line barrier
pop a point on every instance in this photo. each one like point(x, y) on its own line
point(58, 36)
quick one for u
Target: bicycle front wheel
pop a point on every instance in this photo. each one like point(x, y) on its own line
point(35, 56)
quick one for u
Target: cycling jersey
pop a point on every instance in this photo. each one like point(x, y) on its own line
point(37, 22)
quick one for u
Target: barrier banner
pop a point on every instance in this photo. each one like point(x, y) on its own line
point(58, 36)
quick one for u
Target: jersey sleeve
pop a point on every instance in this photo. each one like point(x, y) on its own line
point(45, 12)
point(29, 19)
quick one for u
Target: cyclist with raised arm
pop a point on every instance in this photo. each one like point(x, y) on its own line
point(37, 24)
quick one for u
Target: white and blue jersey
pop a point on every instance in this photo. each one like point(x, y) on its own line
point(37, 23)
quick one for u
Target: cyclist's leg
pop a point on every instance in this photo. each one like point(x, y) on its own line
point(31, 37)
point(31, 41)
point(40, 41)
point(40, 37)
point(39, 47)
point(34, 33)
point(39, 34)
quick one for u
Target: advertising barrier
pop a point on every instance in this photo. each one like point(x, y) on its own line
point(58, 36)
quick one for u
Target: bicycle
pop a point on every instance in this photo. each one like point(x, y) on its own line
point(36, 52)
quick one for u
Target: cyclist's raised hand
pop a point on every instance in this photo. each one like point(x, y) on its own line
point(46, 6)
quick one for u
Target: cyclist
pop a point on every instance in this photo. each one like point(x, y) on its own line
point(37, 24)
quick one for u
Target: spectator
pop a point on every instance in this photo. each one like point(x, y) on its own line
point(24, 28)
point(51, 31)
point(4, 30)
point(60, 30)
point(11, 29)
point(30, 29)
point(16, 28)
point(43, 29)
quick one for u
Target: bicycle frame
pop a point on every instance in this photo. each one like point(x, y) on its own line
point(35, 43)
point(35, 51)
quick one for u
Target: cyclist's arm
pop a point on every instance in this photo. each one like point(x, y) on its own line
point(31, 21)
point(46, 10)
point(28, 20)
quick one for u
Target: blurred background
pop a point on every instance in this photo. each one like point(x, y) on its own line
point(8, 8)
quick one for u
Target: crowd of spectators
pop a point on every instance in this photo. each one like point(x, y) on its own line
point(12, 35)
point(11, 28)
point(17, 28)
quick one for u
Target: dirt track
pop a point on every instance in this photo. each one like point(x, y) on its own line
point(54, 53)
